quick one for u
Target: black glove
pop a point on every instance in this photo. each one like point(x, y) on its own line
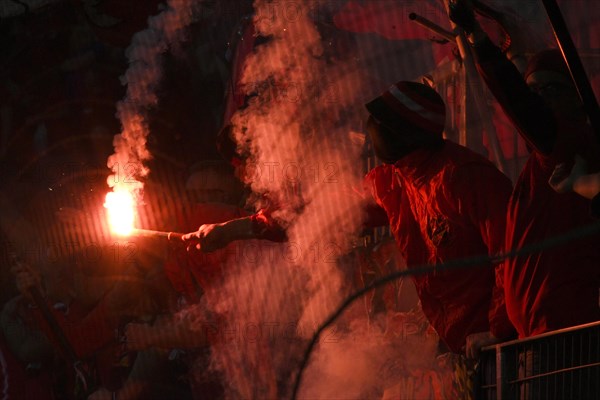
point(461, 13)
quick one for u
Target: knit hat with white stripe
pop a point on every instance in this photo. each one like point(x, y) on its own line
point(410, 103)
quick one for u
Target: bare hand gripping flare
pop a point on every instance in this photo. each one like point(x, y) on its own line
point(121, 217)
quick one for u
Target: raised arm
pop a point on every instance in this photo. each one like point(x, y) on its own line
point(525, 108)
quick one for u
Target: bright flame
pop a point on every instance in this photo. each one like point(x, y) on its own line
point(120, 212)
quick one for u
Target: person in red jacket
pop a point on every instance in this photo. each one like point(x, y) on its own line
point(443, 202)
point(558, 287)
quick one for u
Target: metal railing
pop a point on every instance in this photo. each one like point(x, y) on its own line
point(563, 364)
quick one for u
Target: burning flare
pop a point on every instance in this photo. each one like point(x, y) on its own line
point(120, 212)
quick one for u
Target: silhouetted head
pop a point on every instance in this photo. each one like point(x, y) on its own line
point(548, 75)
point(406, 117)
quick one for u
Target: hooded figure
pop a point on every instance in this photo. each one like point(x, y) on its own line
point(443, 203)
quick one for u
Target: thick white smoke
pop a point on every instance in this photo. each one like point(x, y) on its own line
point(367, 361)
point(295, 127)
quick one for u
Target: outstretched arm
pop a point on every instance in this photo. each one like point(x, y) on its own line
point(211, 237)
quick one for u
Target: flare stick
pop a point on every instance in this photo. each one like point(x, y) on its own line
point(174, 236)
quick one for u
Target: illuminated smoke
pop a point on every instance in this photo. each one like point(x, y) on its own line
point(365, 361)
point(297, 130)
point(257, 343)
point(142, 79)
point(300, 143)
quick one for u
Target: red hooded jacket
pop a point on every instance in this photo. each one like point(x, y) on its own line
point(445, 205)
point(558, 287)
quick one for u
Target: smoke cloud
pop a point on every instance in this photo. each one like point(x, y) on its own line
point(296, 124)
point(142, 78)
point(298, 130)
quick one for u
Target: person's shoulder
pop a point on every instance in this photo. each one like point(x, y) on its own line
point(461, 157)
point(467, 168)
point(380, 173)
point(381, 169)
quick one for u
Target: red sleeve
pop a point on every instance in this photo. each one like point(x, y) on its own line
point(486, 208)
point(375, 214)
point(93, 331)
point(86, 335)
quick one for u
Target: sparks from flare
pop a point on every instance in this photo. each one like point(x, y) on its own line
point(121, 214)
